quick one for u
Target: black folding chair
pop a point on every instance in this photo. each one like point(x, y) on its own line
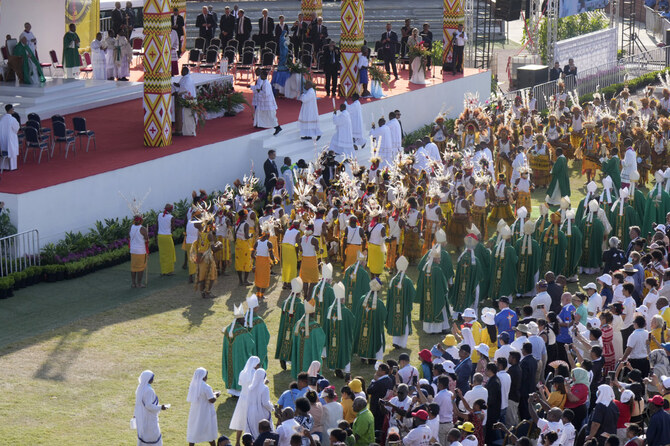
point(200, 43)
point(35, 142)
point(63, 135)
point(267, 59)
point(249, 44)
point(271, 45)
point(246, 63)
point(193, 59)
point(211, 60)
point(306, 60)
point(215, 42)
point(80, 131)
point(43, 130)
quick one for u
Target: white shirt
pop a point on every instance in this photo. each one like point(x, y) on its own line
point(548, 426)
point(628, 312)
point(650, 303)
point(595, 304)
point(285, 430)
point(638, 342)
point(443, 399)
point(542, 298)
point(517, 344)
point(476, 393)
point(568, 434)
point(187, 86)
point(30, 36)
point(505, 384)
point(434, 426)
point(503, 352)
point(137, 245)
point(460, 38)
point(406, 373)
point(419, 436)
point(164, 224)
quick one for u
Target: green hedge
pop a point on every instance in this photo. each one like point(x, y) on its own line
point(633, 85)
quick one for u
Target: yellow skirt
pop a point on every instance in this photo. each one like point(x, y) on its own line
point(503, 211)
point(523, 199)
point(243, 255)
point(588, 164)
point(391, 254)
point(275, 246)
point(457, 229)
point(323, 247)
point(207, 271)
point(375, 259)
point(262, 272)
point(166, 253)
point(223, 255)
point(138, 262)
point(192, 267)
point(289, 263)
point(309, 270)
point(351, 254)
point(478, 215)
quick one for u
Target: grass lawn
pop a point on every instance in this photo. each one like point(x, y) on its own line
point(71, 352)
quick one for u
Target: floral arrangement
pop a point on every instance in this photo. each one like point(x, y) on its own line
point(219, 97)
point(419, 50)
point(187, 101)
point(379, 75)
point(296, 67)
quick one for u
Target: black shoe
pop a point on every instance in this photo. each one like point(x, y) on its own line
point(396, 346)
point(318, 137)
point(302, 137)
point(339, 373)
point(282, 363)
point(277, 130)
point(347, 377)
point(371, 361)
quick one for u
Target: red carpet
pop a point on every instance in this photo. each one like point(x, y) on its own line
point(119, 134)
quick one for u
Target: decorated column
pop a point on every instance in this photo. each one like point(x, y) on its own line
point(309, 8)
point(181, 6)
point(157, 78)
point(351, 41)
point(453, 14)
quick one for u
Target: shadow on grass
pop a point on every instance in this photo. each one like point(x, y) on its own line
point(59, 360)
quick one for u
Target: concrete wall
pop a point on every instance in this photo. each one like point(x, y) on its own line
point(47, 18)
point(76, 205)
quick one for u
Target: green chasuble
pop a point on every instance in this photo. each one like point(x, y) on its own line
point(554, 244)
point(582, 207)
point(355, 286)
point(370, 336)
point(517, 230)
point(306, 349)
point(656, 207)
point(71, 50)
point(26, 53)
point(445, 264)
point(324, 296)
point(469, 276)
point(431, 294)
point(574, 252)
point(339, 336)
point(592, 247)
point(559, 177)
point(261, 336)
point(236, 350)
point(638, 201)
point(541, 225)
point(484, 256)
point(503, 271)
point(612, 168)
point(399, 301)
point(528, 264)
point(291, 311)
point(621, 223)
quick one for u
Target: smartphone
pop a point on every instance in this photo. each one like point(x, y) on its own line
point(611, 374)
point(541, 307)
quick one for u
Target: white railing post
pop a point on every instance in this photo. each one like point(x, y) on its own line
point(19, 251)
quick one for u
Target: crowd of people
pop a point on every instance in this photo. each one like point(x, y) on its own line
point(584, 362)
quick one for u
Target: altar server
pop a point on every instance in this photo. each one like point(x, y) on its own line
point(308, 120)
point(98, 58)
point(265, 106)
point(9, 139)
point(342, 142)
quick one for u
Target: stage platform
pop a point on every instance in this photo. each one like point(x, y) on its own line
point(76, 192)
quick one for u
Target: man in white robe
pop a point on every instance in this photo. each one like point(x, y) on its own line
point(98, 59)
point(342, 142)
point(308, 120)
point(265, 113)
point(386, 152)
point(147, 409)
point(110, 44)
point(356, 115)
point(628, 166)
point(30, 37)
point(432, 151)
point(123, 53)
point(9, 139)
point(184, 119)
point(396, 134)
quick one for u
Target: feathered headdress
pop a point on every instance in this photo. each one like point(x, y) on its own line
point(135, 205)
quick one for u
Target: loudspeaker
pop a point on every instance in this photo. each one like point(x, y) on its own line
point(531, 75)
point(508, 10)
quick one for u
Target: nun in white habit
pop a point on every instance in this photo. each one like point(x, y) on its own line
point(239, 420)
point(146, 412)
point(202, 425)
point(260, 407)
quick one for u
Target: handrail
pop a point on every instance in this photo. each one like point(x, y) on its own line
point(19, 251)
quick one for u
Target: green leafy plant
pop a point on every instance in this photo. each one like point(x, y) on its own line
point(6, 283)
point(6, 226)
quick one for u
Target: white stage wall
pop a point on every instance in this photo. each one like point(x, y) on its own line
point(76, 205)
point(592, 50)
point(47, 18)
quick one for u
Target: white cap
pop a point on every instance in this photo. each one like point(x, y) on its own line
point(327, 271)
point(440, 236)
point(590, 286)
point(477, 232)
point(238, 312)
point(483, 349)
point(628, 395)
point(594, 322)
point(339, 290)
point(665, 380)
point(252, 301)
point(469, 312)
point(402, 263)
point(592, 187)
point(593, 206)
point(570, 214)
point(506, 232)
point(606, 279)
point(522, 212)
point(533, 328)
point(296, 285)
point(449, 366)
point(375, 284)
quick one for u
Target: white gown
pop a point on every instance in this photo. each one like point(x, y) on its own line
point(202, 426)
point(238, 422)
point(98, 60)
point(260, 407)
point(110, 68)
point(342, 141)
point(146, 413)
point(9, 140)
point(356, 115)
point(308, 120)
point(418, 75)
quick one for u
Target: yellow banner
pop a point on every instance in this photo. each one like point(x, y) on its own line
point(86, 15)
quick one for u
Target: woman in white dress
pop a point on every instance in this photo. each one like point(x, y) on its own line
point(238, 422)
point(617, 340)
point(260, 407)
point(202, 426)
point(417, 73)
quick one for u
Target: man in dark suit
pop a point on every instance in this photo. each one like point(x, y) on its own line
point(280, 28)
point(329, 167)
point(118, 18)
point(528, 366)
point(389, 47)
point(242, 28)
point(318, 34)
point(298, 32)
point(178, 26)
point(227, 26)
point(570, 68)
point(266, 28)
point(378, 388)
point(205, 23)
point(215, 16)
point(555, 73)
point(271, 172)
point(427, 36)
point(494, 401)
point(331, 67)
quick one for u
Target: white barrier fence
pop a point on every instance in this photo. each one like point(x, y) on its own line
point(19, 251)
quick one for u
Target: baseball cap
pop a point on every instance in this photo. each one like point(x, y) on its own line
point(468, 427)
point(665, 380)
point(626, 396)
point(420, 414)
point(657, 400)
point(590, 286)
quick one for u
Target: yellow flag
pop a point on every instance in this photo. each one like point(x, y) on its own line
point(86, 15)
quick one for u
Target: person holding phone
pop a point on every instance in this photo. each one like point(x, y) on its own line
point(459, 39)
point(541, 303)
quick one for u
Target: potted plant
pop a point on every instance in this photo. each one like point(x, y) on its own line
point(19, 279)
point(6, 287)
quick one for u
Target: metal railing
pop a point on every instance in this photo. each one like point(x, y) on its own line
point(655, 24)
point(19, 251)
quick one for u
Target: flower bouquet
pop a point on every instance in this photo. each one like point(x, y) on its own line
point(418, 50)
point(379, 75)
point(220, 99)
point(296, 67)
point(188, 101)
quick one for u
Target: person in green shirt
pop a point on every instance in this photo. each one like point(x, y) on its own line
point(32, 72)
point(560, 181)
point(71, 59)
point(238, 346)
point(258, 330)
point(364, 424)
point(580, 309)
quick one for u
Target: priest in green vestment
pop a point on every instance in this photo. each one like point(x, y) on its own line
point(445, 259)
point(573, 234)
point(291, 311)
point(356, 283)
point(466, 290)
point(528, 265)
point(517, 226)
point(370, 339)
point(431, 294)
point(657, 205)
point(399, 301)
point(502, 276)
point(622, 217)
point(636, 198)
point(322, 293)
point(607, 197)
point(32, 72)
point(542, 223)
point(483, 255)
point(591, 192)
point(238, 346)
point(308, 341)
point(258, 330)
point(71, 59)
point(560, 180)
point(554, 244)
point(496, 237)
point(340, 327)
point(612, 168)
point(594, 233)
